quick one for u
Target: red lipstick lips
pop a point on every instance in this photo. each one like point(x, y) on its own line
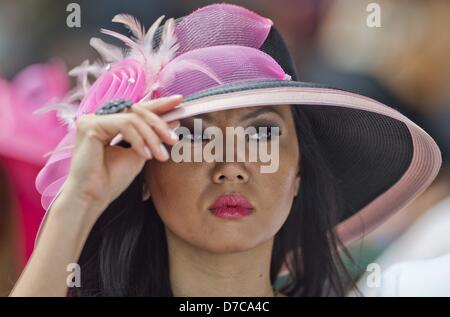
point(231, 206)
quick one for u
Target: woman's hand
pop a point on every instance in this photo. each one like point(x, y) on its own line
point(100, 172)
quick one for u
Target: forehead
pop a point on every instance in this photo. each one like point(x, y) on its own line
point(244, 114)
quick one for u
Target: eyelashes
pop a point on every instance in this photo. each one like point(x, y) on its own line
point(258, 133)
point(265, 133)
point(193, 137)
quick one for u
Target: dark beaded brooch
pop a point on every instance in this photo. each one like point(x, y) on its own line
point(114, 106)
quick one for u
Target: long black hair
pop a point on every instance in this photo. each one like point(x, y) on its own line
point(126, 252)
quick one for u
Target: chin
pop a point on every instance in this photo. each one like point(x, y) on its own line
point(227, 248)
point(229, 243)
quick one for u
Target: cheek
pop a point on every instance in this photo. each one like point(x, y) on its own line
point(277, 190)
point(276, 194)
point(175, 191)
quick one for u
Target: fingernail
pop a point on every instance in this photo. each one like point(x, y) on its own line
point(117, 139)
point(176, 96)
point(173, 135)
point(174, 125)
point(147, 152)
point(164, 152)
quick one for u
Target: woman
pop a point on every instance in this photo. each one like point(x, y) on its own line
point(142, 222)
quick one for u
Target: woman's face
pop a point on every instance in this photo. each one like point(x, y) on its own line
point(185, 193)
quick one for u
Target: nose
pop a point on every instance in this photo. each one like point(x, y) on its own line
point(230, 172)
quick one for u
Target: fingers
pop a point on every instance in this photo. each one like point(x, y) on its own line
point(151, 138)
point(162, 105)
point(140, 126)
point(174, 124)
point(163, 130)
point(134, 137)
point(102, 129)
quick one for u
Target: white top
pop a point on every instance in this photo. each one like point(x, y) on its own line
point(417, 278)
point(417, 263)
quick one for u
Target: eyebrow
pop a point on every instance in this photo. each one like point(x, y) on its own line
point(252, 114)
point(261, 111)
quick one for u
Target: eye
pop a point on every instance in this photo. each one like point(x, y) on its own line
point(265, 133)
point(195, 137)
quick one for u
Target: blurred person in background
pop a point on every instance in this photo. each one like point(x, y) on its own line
point(405, 64)
point(24, 141)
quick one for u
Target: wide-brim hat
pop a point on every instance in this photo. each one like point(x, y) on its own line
point(226, 57)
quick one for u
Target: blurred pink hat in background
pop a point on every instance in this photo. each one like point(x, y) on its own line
point(33, 135)
point(25, 138)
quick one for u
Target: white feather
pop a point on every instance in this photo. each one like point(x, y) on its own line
point(135, 47)
point(132, 24)
point(168, 47)
point(148, 39)
point(65, 111)
point(108, 52)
